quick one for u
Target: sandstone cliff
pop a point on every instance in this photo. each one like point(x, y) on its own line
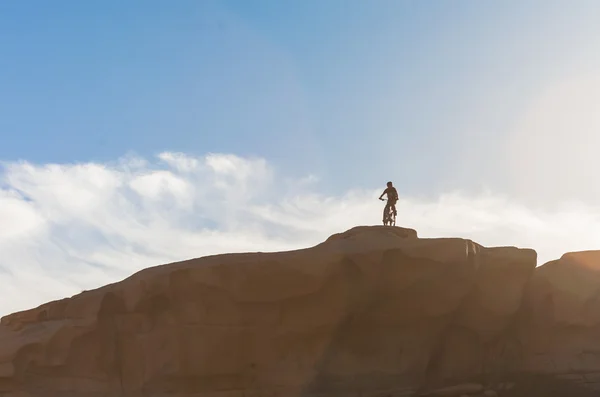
point(374, 311)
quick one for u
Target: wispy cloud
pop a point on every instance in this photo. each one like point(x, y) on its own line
point(68, 227)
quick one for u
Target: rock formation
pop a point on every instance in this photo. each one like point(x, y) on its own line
point(373, 311)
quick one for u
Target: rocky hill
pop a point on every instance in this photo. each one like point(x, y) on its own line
point(373, 311)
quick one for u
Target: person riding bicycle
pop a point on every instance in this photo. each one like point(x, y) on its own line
point(392, 198)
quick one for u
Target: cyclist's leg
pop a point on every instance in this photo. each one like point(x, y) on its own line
point(386, 210)
point(393, 205)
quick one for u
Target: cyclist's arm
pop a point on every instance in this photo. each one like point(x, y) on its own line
point(384, 192)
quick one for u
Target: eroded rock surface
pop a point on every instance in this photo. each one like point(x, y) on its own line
point(373, 311)
point(560, 324)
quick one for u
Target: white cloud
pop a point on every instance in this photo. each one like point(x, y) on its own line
point(17, 215)
point(68, 227)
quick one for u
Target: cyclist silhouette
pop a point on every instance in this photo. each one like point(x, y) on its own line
point(392, 198)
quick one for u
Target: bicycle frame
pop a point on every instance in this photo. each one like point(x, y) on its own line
point(389, 217)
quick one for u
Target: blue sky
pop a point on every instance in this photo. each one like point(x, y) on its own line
point(357, 92)
point(140, 132)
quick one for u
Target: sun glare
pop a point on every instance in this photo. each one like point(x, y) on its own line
point(555, 146)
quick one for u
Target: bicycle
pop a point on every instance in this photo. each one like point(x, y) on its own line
point(388, 217)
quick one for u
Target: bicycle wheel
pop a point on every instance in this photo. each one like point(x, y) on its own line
point(387, 218)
